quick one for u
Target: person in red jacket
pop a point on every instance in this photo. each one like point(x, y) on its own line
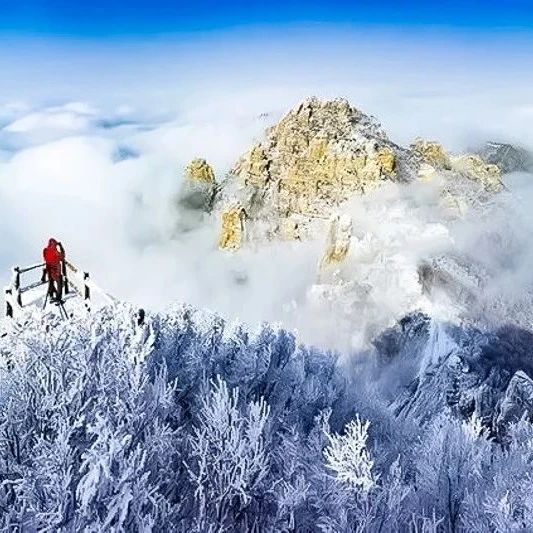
point(54, 255)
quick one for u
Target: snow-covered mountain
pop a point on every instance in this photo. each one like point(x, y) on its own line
point(419, 421)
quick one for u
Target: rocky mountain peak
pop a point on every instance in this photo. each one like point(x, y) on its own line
point(294, 182)
point(335, 120)
point(200, 170)
point(316, 157)
point(321, 149)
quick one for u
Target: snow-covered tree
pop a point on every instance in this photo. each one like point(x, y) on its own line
point(191, 424)
point(348, 457)
point(228, 458)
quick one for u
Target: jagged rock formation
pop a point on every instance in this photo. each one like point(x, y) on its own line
point(315, 158)
point(432, 153)
point(468, 181)
point(434, 158)
point(478, 170)
point(199, 186)
point(196, 195)
point(458, 277)
point(199, 170)
point(507, 157)
point(296, 183)
point(460, 369)
point(517, 400)
point(471, 286)
point(232, 230)
point(321, 154)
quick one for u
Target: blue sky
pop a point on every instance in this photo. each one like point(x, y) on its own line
point(99, 18)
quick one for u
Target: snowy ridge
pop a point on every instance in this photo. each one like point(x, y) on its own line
point(191, 423)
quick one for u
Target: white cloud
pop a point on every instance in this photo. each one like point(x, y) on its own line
point(62, 119)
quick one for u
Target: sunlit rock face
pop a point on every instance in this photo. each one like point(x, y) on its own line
point(199, 185)
point(432, 153)
point(199, 170)
point(475, 168)
point(232, 228)
point(196, 195)
point(467, 180)
point(435, 159)
point(318, 156)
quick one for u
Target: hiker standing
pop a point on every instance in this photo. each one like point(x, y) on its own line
point(54, 255)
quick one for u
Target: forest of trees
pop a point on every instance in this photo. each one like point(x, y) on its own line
point(193, 424)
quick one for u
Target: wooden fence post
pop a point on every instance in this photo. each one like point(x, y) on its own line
point(66, 287)
point(86, 291)
point(9, 307)
point(16, 286)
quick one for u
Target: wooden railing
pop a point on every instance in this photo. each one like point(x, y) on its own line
point(74, 280)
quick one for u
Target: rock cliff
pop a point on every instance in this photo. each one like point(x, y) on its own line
point(461, 369)
point(317, 157)
point(196, 195)
point(199, 186)
point(433, 159)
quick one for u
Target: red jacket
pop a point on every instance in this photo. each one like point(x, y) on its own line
point(53, 258)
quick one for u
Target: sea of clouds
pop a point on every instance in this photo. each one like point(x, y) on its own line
point(94, 140)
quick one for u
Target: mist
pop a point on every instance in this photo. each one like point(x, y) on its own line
point(94, 149)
